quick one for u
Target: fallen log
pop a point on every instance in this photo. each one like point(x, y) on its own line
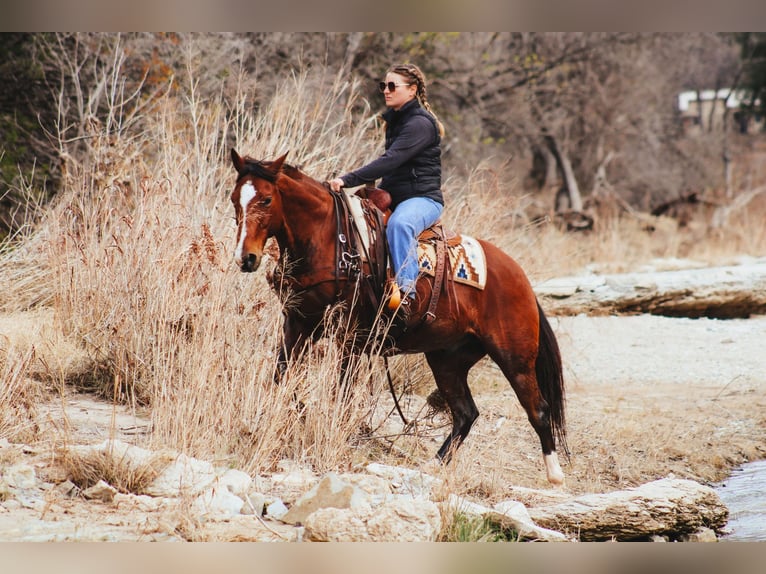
point(735, 291)
point(668, 507)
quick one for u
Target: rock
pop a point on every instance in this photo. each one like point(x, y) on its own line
point(184, 475)
point(664, 507)
point(406, 481)
point(276, 510)
point(100, 491)
point(255, 502)
point(67, 488)
point(515, 514)
point(720, 292)
point(235, 481)
point(400, 520)
point(377, 489)
point(509, 514)
point(330, 491)
point(335, 525)
point(405, 520)
point(290, 484)
point(143, 502)
point(19, 476)
point(702, 535)
point(247, 529)
point(218, 504)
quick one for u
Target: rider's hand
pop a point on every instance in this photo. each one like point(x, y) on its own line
point(336, 184)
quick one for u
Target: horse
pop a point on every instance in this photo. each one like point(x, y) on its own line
point(504, 320)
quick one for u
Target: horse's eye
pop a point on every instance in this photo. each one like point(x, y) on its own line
point(266, 201)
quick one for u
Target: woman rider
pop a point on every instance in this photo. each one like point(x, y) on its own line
point(410, 169)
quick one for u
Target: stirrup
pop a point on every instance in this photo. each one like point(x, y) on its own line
point(394, 296)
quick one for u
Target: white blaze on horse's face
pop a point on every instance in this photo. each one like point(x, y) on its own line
point(246, 194)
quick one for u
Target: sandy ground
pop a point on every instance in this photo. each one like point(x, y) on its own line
point(648, 397)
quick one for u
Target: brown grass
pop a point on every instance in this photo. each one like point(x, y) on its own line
point(133, 260)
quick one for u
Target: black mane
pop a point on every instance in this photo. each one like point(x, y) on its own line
point(258, 169)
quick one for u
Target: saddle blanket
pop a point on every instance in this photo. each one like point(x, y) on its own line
point(467, 261)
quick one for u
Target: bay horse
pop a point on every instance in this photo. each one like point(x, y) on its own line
point(504, 320)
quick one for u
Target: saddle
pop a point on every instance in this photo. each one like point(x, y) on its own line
point(373, 222)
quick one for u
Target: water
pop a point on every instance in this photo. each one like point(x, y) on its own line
point(744, 493)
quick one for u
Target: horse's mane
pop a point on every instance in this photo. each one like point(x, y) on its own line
point(263, 170)
point(258, 169)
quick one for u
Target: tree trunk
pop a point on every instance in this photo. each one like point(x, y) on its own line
point(567, 173)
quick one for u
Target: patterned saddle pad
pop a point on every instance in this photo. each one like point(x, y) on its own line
point(467, 261)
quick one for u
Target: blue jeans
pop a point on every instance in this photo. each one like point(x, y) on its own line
point(410, 218)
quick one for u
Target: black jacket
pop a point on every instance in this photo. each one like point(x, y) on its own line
point(411, 164)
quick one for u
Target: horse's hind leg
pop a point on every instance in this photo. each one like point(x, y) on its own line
point(450, 369)
point(521, 374)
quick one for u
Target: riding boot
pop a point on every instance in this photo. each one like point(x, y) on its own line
point(401, 318)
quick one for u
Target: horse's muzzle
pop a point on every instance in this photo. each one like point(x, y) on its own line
point(250, 263)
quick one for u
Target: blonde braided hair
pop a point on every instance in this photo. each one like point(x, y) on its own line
point(416, 76)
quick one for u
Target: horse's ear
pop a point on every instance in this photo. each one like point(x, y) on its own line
point(277, 164)
point(239, 163)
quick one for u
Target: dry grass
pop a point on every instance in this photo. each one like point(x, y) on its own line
point(134, 261)
point(85, 470)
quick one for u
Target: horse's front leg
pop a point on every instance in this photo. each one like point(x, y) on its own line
point(295, 333)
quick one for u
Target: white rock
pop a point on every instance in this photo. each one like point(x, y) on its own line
point(254, 503)
point(292, 484)
point(330, 491)
point(276, 509)
point(186, 474)
point(335, 525)
point(405, 520)
point(100, 491)
point(416, 483)
point(377, 488)
point(218, 503)
point(511, 514)
point(19, 476)
point(668, 506)
point(236, 481)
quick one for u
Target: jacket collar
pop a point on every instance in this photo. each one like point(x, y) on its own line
point(392, 115)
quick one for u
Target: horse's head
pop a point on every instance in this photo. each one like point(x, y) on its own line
point(257, 207)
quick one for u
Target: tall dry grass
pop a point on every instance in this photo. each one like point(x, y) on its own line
point(134, 257)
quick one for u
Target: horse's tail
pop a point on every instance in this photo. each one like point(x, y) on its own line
point(550, 378)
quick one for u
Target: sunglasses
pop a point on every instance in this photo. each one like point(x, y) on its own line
point(390, 85)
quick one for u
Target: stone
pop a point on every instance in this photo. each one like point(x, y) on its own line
point(255, 502)
point(702, 535)
point(377, 489)
point(184, 474)
point(515, 514)
point(330, 491)
point(335, 525)
point(218, 503)
point(405, 520)
point(723, 292)
point(668, 506)
point(509, 514)
point(19, 476)
point(290, 484)
point(236, 481)
point(276, 509)
point(406, 481)
point(402, 519)
point(66, 488)
point(100, 491)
